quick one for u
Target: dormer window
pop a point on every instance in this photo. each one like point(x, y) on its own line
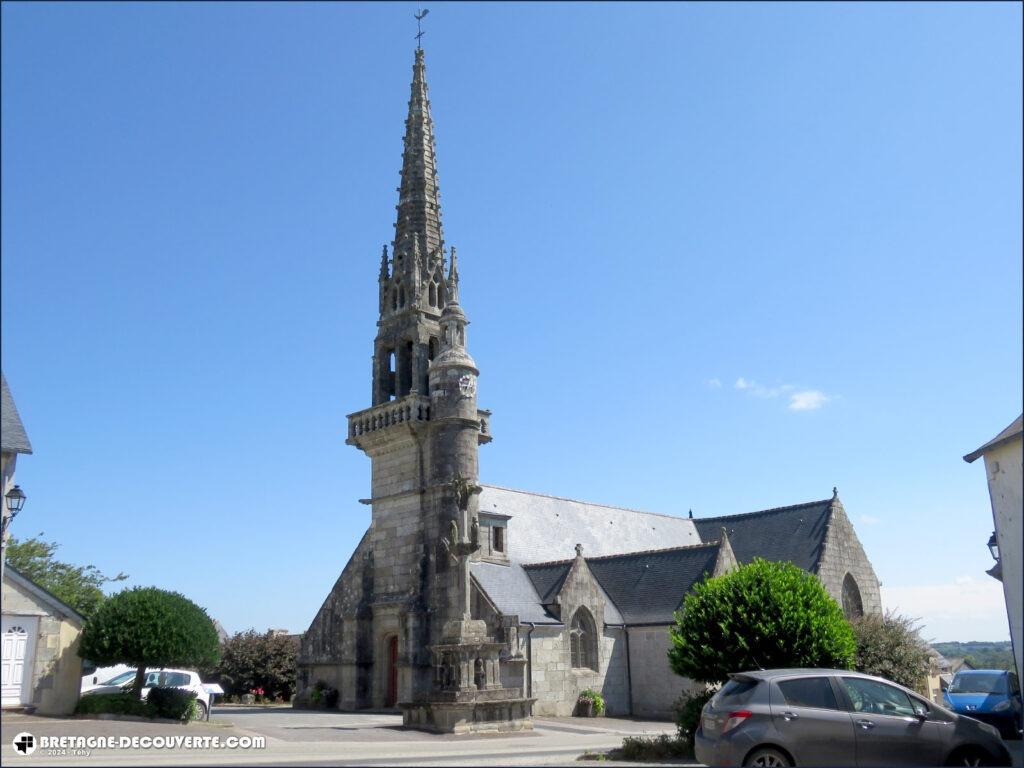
point(494, 537)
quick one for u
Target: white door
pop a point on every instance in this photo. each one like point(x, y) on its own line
point(19, 642)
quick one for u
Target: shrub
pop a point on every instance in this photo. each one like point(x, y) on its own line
point(116, 704)
point(590, 694)
point(323, 695)
point(687, 709)
point(262, 664)
point(763, 615)
point(645, 748)
point(890, 646)
point(149, 627)
point(173, 703)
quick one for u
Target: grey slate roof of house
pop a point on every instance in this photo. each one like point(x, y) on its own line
point(547, 528)
point(12, 432)
point(646, 587)
point(1005, 436)
point(645, 562)
point(795, 533)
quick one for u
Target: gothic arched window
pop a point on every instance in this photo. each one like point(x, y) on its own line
point(433, 295)
point(853, 607)
point(583, 640)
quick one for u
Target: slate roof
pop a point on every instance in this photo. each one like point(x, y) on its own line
point(646, 587)
point(12, 432)
point(795, 533)
point(1005, 436)
point(547, 528)
point(544, 528)
point(645, 562)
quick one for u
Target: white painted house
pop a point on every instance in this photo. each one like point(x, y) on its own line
point(1003, 467)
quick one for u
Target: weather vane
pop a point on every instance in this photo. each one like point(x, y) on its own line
point(419, 19)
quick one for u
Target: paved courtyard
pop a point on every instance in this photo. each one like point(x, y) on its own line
point(298, 737)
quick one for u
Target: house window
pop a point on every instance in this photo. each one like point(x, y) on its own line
point(583, 640)
point(497, 538)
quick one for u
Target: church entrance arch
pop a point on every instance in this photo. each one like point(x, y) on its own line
point(391, 653)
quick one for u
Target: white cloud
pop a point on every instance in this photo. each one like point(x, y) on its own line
point(799, 399)
point(807, 400)
point(869, 520)
point(714, 383)
point(967, 608)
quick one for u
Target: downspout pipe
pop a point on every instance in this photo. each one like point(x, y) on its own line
point(629, 675)
point(529, 659)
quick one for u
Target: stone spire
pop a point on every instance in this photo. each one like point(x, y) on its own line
point(419, 208)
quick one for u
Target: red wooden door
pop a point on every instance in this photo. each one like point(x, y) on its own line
point(392, 671)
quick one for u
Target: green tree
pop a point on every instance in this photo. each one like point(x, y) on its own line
point(149, 627)
point(763, 615)
point(80, 586)
point(250, 660)
point(890, 646)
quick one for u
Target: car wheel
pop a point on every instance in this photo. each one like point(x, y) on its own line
point(970, 756)
point(767, 757)
point(201, 711)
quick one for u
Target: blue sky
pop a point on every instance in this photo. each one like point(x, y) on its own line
point(719, 257)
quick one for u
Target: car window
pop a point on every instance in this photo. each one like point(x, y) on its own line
point(979, 682)
point(809, 692)
point(152, 678)
point(1014, 685)
point(122, 679)
point(174, 679)
point(876, 698)
point(735, 692)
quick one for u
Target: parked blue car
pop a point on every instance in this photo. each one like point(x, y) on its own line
point(990, 695)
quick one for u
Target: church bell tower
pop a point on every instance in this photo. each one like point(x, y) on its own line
point(418, 646)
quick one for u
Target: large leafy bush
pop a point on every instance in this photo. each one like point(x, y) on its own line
point(763, 615)
point(252, 661)
point(149, 627)
point(890, 646)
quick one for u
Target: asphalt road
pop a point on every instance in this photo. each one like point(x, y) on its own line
point(300, 737)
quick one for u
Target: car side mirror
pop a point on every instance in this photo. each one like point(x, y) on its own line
point(921, 713)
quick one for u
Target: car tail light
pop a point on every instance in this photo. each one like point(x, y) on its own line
point(735, 719)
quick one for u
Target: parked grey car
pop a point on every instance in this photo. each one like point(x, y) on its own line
point(819, 717)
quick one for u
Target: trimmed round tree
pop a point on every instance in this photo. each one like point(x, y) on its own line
point(149, 627)
point(762, 615)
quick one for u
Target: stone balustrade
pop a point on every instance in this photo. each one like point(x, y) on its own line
point(409, 409)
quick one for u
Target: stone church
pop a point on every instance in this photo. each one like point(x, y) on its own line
point(469, 606)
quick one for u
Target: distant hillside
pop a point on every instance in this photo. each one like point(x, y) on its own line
point(981, 655)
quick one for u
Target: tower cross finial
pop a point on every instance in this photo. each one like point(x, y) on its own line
point(419, 28)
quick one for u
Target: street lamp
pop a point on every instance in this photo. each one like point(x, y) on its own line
point(15, 501)
point(993, 546)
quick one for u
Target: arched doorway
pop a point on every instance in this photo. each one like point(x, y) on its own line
point(392, 671)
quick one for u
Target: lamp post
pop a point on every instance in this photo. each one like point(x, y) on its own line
point(996, 571)
point(14, 500)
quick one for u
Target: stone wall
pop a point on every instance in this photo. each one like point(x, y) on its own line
point(655, 687)
point(55, 666)
point(1003, 465)
point(556, 684)
point(842, 555)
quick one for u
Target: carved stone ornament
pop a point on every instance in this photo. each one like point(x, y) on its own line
point(467, 385)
